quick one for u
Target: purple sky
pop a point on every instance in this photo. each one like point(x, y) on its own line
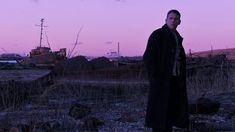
point(205, 23)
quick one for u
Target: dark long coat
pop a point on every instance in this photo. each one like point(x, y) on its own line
point(159, 58)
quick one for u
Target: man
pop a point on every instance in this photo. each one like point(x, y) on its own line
point(165, 61)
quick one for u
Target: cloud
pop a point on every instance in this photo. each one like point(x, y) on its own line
point(120, 0)
point(36, 1)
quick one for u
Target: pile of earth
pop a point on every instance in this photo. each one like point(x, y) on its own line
point(80, 63)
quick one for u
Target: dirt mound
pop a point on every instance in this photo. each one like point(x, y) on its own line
point(101, 63)
point(78, 63)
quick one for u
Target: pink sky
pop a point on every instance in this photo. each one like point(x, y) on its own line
point(129, 22)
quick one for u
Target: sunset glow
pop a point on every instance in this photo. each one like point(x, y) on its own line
point(205, 24)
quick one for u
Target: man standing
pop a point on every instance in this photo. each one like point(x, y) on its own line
point(165, 61)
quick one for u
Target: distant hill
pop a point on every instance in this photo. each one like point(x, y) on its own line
point(230, 53)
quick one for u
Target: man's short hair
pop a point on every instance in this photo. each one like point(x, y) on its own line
point(174, 11)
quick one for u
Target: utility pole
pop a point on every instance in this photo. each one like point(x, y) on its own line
point(118, 50)
point(190, 53)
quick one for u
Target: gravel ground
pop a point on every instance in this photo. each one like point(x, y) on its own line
point(125, 114)
point(119, 115)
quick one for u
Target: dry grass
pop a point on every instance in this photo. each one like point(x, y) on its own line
point(210, 82)
point(106, 86)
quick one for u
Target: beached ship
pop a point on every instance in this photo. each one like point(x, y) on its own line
point(43, 56)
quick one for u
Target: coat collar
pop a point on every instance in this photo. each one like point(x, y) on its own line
point(168, 31)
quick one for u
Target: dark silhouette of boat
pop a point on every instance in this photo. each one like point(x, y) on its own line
point(43, 56)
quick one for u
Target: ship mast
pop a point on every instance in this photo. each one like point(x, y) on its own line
point(41, 25)
point(42, 20)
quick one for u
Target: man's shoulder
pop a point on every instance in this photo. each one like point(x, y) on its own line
point(157, 32)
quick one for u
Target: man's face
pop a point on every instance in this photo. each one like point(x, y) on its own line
point(172, 21)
